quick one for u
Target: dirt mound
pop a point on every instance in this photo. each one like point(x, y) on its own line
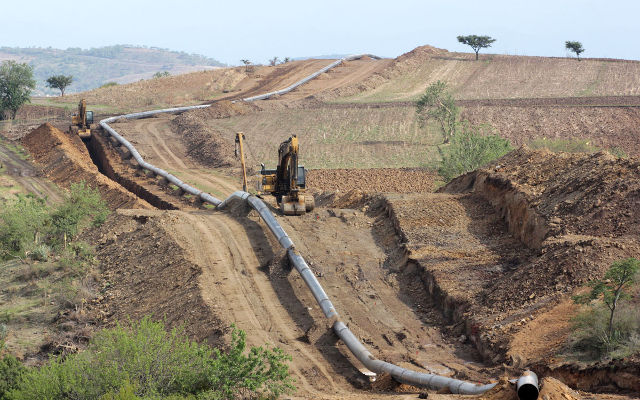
point(405, 62)
point(65, 160)
point(574, 194)
point(572, 215)
point(379, 180)
point(420, 53)
point(203, 142)
point(145, 272)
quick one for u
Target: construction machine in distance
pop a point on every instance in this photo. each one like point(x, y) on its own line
point(288, 181)
point(81, 121)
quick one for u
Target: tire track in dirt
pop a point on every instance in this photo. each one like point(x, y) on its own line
point(161, 147)
point(233, 286)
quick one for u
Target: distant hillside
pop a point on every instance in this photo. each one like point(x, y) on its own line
point(495, 76)
point(94, 67)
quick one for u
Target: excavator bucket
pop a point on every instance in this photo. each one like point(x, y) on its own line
point(84, 133)
point(290, 206)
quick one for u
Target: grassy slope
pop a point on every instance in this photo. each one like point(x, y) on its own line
point(498, 76)
point(338, 138)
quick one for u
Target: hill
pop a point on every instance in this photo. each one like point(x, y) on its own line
point(495, 76)
point(93, 67)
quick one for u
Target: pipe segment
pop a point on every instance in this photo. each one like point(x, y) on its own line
point(526, 385)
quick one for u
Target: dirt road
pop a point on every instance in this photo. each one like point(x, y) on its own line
point(159, 146)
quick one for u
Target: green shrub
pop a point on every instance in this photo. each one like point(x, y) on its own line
point(11, 373)
point(21, 221)
point(565, 145)
point(27, 221)
point(590, 338)
point(81, 208)
point(109, 84)
point(607, 326)
point(40, 252)
point(471, 148)
point(148, 361)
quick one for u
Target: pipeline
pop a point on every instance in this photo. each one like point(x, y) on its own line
point(526, 385)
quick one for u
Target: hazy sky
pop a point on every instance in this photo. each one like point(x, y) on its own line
point(230, 30)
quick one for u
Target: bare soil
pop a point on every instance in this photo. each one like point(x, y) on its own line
point(64, 159)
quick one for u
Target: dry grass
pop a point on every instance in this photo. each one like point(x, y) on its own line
point(501, 76)
point(186, 89)
point(338, 138)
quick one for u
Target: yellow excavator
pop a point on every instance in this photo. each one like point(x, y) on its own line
point(287, 182)
point(81, 121)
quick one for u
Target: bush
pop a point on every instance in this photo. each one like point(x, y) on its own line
point(40, 252)
point(27, 220)
point(21, 221)
point(565, 145)
point(148, 361)
point(81, 208)
point(590, 337)
point(109, 84)
point(469, 149)
point(11, 373)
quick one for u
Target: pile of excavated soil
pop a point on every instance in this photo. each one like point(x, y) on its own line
point(503, 248)
point(550, 389)
point(378, 180)
point(146, 272)
point(406, 62)
point(204, 143)
point(65, 160)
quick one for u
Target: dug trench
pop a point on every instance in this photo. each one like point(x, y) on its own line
point(408, 279)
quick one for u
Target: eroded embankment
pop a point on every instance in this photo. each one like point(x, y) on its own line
point(146, 272)
point(65, 160)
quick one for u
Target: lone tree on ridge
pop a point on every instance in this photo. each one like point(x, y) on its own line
point(246, 63)
point(574, 46)
point(60, 82)
point(476, 42)
point(274, 61)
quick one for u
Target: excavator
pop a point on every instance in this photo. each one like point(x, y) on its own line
point(287, 182)
point(81, 121)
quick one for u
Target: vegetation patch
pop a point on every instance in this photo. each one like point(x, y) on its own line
point(145, 360)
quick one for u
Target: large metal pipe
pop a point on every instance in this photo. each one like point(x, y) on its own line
point(526, 385)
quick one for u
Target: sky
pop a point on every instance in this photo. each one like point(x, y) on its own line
point(232, 30)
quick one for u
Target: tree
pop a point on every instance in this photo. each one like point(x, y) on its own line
point(16, 84)
point(246, 63)
point(274, 61)
point(286, 60)
point(574, 46)
point(476, 42)
point(613, 287)
point(437, 103)
point(60, 82)
point(162, 74)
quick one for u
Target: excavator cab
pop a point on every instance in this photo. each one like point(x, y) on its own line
point(288, 181)
point(81, 121)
